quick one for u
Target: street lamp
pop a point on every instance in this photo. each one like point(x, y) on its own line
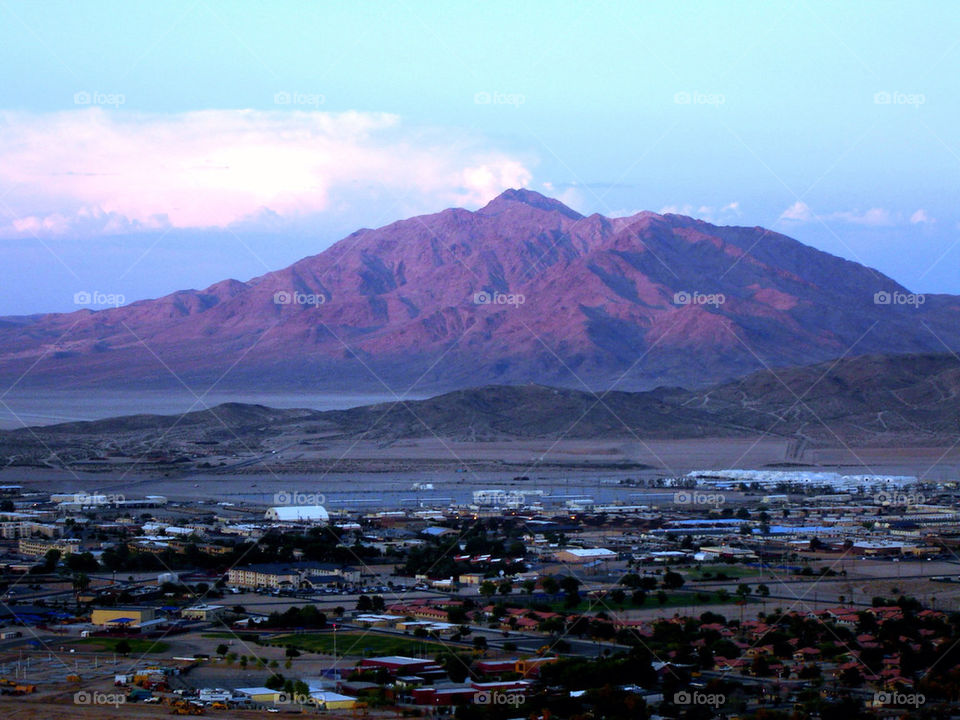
point(336, 672)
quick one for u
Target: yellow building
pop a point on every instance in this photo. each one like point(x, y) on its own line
point(122, 616)
point(39, 548)
point(260, 694)
point(327, 700)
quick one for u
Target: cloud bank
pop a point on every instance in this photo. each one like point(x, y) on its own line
point(101, 171)
point(800, 212)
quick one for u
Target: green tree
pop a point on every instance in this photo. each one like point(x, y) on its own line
point(550, 585)
point(301, 691)
point(672, 580)
point(81, 581)
point(50, 560)
point(571, 588)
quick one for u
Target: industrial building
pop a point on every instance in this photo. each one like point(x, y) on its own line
point(298, 514)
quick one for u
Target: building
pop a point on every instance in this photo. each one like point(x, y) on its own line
point(298, 514)
point(207, 613)
point(259, 694)
point(120, 617)
point(327, 700)
point(584, 555)
point(709, 553)
point(287, 575)
point(454, 695)
point(395, 664)
point(15, 529)
point(38, 548)
point(266, 575)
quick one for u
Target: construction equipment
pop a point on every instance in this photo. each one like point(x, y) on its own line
point(184, 707)
point(11, 687)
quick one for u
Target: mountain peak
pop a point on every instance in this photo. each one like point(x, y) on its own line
point(521, 196)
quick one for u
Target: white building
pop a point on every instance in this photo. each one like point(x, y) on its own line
point(298, 513)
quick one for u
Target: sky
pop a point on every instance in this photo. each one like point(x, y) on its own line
point(149, 147)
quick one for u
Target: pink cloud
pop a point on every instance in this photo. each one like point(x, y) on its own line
point(100, 171)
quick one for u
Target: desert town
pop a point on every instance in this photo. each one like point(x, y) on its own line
point(717, 593)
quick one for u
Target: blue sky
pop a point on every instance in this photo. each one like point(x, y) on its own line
point(153, 146)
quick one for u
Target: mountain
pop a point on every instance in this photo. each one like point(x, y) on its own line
point(523, 290)
point(871, 401)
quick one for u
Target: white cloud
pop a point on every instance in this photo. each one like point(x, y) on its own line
point(798, 212)
point(570, 196)
point(874, 217)
point(709, 213)
point(100, 171)
point(920, 217)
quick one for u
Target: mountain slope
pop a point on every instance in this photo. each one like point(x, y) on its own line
point(873, 401)
point(585, 301)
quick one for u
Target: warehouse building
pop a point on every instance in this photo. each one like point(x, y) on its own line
point(298, 514)
point(585, 555)
point(121, 617)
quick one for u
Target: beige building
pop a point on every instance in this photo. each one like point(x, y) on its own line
point(14, 529)
point(207, 613)
point(263, 576)
point(39, 548)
